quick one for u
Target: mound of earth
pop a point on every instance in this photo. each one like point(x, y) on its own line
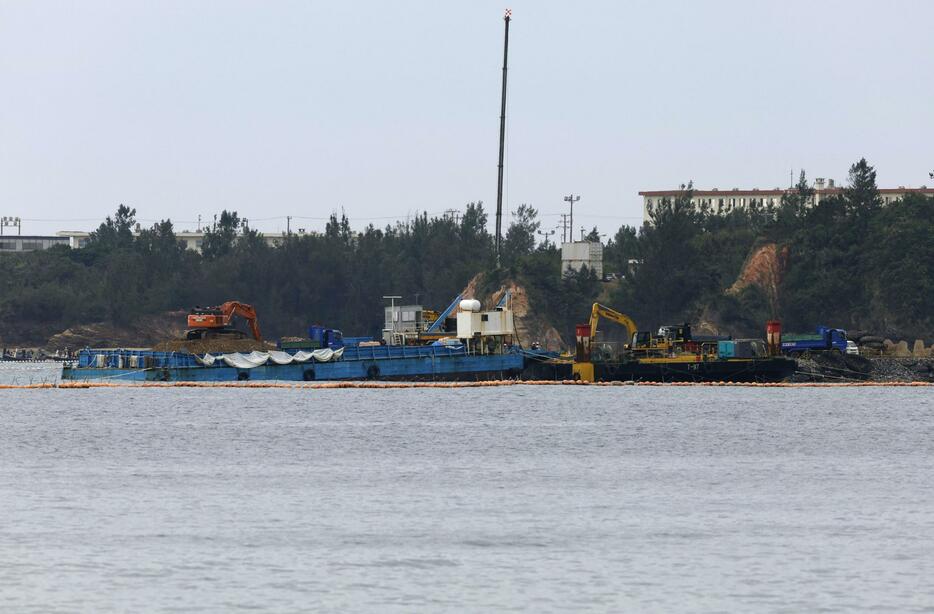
point(142, 333)
point(205, 346)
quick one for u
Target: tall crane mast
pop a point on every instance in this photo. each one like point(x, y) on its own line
point(502, 142)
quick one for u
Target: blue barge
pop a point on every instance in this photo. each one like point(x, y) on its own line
point(408, 363)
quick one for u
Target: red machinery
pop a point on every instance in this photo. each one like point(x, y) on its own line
point(215, 322)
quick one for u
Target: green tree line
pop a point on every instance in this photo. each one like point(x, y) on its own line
point(851, 262)
point(848, 262)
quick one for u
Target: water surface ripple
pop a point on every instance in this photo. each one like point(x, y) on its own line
point(522, 498)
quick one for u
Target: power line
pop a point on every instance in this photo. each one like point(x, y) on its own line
point(588, 215)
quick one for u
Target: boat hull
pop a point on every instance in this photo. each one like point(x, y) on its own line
point(421, 368)
point(741, 370)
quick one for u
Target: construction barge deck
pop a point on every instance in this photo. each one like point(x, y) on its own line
point(387, 363)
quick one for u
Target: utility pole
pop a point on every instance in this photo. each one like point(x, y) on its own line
point(570, 198)
point(564, 227)
point(546, 235)
point(502, 142)
point(288, 224)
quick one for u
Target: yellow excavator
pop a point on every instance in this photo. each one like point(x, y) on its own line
point(587, 333)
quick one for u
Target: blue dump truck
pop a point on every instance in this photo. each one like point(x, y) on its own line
point(824, 340)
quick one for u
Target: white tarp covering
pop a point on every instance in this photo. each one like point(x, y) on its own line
point(280, 358)
point(256, 359)
point(245, 361)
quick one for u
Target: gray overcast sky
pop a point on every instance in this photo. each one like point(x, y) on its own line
point(180, 108)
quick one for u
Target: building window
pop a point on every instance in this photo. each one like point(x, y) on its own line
point(31, 245)
point(7, 246)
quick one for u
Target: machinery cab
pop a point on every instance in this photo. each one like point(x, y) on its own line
point(670, 340)
point(675, 333)
point(641, 339)
point(205, 317)
point(215, 322)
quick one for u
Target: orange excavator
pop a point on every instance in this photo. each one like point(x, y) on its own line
point(215, 322)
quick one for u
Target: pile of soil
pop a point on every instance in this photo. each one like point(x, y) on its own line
point(205, 346)
point(139, 334)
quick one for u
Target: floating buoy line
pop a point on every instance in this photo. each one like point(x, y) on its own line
point(80, 385)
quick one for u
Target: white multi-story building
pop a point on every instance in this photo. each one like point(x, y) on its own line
point(724, 201)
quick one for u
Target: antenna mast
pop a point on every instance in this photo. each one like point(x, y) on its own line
point(502, 140)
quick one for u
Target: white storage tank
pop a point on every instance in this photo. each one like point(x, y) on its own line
point(470, 304)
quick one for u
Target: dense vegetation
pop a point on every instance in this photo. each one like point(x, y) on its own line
point(851, 262)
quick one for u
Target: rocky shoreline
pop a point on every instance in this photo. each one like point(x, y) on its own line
point(836, 367)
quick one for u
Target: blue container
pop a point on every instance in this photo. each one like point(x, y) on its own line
point(316, 333)
point(726, 349)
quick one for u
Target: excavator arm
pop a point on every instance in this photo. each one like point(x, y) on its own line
point(602, 311)
point(234, 308)
point(583, 367)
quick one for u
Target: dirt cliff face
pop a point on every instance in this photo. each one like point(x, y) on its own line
point(530, 327)
point(765, 267)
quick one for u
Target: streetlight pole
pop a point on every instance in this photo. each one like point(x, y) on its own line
point(546, 235)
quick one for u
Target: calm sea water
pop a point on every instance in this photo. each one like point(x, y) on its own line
point(521, 498)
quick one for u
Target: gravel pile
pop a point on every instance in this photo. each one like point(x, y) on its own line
point(834, 367)
point(887, 369)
